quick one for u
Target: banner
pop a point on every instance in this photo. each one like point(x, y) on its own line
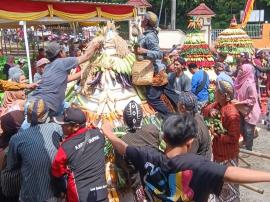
point(247, 12)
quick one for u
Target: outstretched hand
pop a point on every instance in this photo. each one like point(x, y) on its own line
point(140, 51)
point(94, 45)
point(32, 86)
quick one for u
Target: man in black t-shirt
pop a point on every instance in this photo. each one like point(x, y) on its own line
point(178, 175)
point(81, 158)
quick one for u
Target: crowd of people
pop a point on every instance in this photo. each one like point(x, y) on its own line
point(48, 151)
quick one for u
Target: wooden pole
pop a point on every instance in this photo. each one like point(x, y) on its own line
point(244, 161)
point(160, 12)
point(253, 153)
point(252, 188)
point(173, 14)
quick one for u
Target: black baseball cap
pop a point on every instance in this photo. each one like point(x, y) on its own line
point(71, 116)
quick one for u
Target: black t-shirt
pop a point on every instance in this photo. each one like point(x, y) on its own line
point(88, 168)
point(186, 177)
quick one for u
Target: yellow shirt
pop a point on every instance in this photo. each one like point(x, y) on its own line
point(9, 85)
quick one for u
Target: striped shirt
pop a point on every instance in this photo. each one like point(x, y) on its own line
point(33, 151)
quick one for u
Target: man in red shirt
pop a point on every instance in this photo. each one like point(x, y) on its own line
point(81, 158)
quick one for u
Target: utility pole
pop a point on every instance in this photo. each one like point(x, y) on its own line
point(173, 13)
point(160, 11)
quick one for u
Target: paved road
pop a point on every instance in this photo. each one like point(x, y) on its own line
point(261, 144)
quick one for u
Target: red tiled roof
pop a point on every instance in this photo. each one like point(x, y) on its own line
point(202, 9)
point(139, 3)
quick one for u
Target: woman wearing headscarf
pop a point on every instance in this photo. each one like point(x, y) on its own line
point(137, 135)
point(201, 144)
point(247, 102)
point(14, 100)
point(10, 123)
point(225, 146)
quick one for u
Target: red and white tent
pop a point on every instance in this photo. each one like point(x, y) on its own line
point(51, 12)
point(41, 11)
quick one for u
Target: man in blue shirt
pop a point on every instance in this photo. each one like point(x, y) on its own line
point(55, 77)
point(199, 84)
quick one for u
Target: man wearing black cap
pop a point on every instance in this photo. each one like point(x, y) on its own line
point(55, 77)
point(81, 158)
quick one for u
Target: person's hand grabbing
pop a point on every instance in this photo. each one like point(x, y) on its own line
point(94, 45)
point(213, 132)
point(213, 112)
point(32, 86)
point(107, 128)
point(235, 102)
point(141, 51)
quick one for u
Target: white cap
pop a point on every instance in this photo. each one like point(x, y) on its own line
point(42, 61)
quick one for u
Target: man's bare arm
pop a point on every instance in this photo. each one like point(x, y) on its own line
point(90, 51)
point(241, 175)
point(119, 145)
point(74, 77)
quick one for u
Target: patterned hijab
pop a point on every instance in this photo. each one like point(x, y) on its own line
point(189, 100)
point(226, 88)
point(133, 115)
point(37, 112)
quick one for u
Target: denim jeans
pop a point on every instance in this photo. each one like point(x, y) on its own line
point(153, 94)
point(248, 134)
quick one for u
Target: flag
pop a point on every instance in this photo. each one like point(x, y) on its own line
point(247, 12)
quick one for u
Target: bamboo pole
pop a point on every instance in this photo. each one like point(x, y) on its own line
point(253, 153)
point(252, 188)
point(244, 161)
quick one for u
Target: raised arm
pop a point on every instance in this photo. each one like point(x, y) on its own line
point(119, 145)
point(241, 176)
point(9, 85)
point(91, 49)
point(73, 77)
